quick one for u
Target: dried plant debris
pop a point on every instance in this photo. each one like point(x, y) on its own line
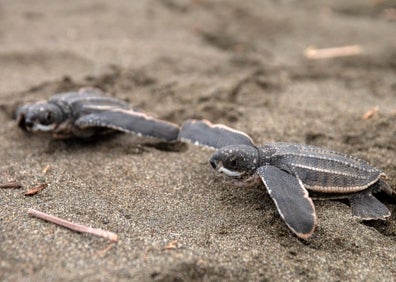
point(74, 226)
point(34, 190)
point(10, 185)
point(325, 53)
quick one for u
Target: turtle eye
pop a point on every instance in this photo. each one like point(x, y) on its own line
point(48, 117)
point(233, 163)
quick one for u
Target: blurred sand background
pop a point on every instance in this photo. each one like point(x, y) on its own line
point(240, 63)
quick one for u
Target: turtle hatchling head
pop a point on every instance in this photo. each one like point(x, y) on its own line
point(39, 117)
point(236, 161)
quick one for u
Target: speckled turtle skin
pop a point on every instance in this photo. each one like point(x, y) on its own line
point(88, 113)
point(293, 174)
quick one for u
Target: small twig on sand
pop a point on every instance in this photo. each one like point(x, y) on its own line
point(371, 113)
point(11, 184)
point(103, 252)
point(45, 169)
point(313, 53)
point(170, 246)
point(35, 190)
point(74, 226)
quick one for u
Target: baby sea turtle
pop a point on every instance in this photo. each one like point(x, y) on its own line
point(89, 112)
point(289, 171)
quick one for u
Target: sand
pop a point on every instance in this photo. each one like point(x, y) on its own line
point(240, 63)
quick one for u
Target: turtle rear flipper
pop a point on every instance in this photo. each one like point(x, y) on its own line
point(204, 133)
point(291, 199)
point(130, 122)
point(367, 207)
point(383, 186)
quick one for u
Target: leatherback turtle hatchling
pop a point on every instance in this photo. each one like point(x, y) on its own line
point(289, 170)
point(89, 112)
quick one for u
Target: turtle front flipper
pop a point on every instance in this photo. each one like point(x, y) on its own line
point(130, 122)
point(204, 133)
point(291, 199)
point(367, 207)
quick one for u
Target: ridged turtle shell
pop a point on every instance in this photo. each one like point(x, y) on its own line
point(322, 170)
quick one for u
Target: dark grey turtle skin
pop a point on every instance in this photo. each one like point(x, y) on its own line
point(89, 112)
point(289, 171)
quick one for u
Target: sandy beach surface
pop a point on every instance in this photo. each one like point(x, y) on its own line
point(239, 63)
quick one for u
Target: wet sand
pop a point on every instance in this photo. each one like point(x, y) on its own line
point(241, 64)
